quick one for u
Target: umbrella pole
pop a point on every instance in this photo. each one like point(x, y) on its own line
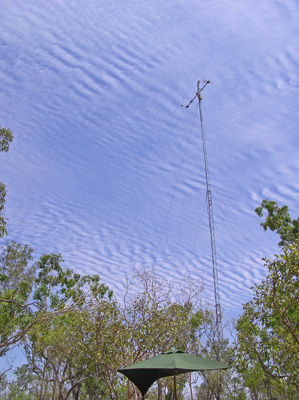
point(174, 385)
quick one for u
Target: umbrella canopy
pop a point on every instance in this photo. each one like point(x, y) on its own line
point(144, 373)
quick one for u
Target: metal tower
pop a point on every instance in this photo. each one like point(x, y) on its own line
point(210, 209)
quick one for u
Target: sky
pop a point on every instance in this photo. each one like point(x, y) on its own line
point(107, 168)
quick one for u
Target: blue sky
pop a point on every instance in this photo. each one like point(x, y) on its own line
point(107, 167)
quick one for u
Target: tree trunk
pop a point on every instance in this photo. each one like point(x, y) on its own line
point(159, 390)
point(190, 388)
point(77, 392)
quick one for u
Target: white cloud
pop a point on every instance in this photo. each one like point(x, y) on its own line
point(93, 96)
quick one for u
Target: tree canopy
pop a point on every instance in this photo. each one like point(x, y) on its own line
point(6, 137)
point(268, 329)
point(278, 219)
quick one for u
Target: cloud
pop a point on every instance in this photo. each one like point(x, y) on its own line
point(107, 167)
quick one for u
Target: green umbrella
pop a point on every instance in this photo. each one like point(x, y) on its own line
point(144, 373)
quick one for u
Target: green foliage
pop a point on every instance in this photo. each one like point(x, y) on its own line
point(24, 387)
point(6, 137)
point(16, 283)
point(57, 287)
point(279, 220)
point(76, 354)
point(3, 230)
point(269, 326)
point(70, 351)
point(32, 295)
point(62, 351)
point(268, 329)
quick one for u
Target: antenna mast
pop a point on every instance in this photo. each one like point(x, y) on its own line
point(210, 209)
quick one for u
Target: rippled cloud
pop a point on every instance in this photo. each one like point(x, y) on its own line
point(107, 167)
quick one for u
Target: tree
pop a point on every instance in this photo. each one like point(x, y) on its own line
point(63, 353)
point(17, 277)
point(25, 386)
point(217, 384)
point(77, 354)
point(268, 329)
point(280, 221)
point(31, 295)
point(269, 326)
point(6, 137)
point(156, 322)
